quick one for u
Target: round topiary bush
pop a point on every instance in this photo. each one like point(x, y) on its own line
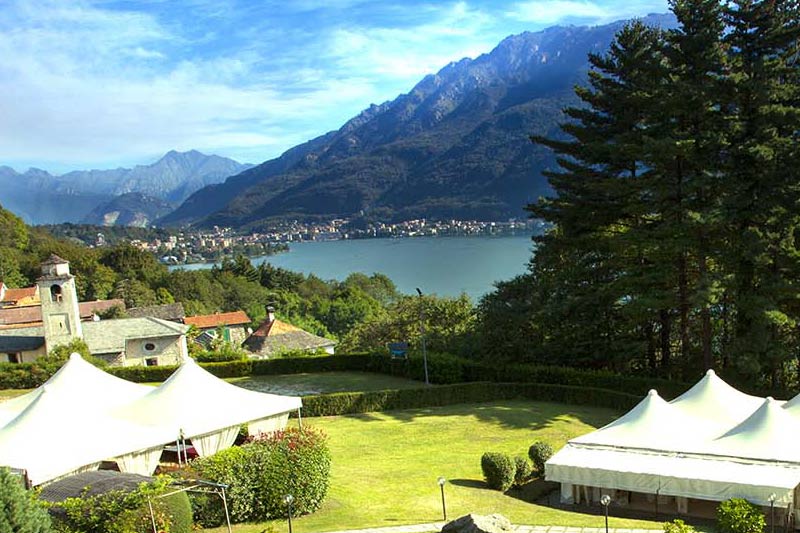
point(737, 515)
point(261, 472)
point(522, 470)
point(498, 470)
point(540, 452)
point(20, 512)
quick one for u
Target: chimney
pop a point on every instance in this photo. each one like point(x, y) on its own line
point(270, 314)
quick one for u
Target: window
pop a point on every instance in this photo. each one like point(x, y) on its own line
point(151, 361)
point(55, 293)
point(149, 347)
point(14, 357)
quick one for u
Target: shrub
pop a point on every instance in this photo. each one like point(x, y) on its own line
point(120, 511)
point(20, 511)
point(498, 470)
point(522, 470)
point(678, 526)
point(737, 515)
point(540, 452)
point(261, 472)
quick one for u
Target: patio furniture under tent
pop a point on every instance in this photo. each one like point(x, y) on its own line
point(208, 410)
point(82, 384)
point(52, 438)
point(711, 443)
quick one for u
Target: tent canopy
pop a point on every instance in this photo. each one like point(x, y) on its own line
point(197, 402)
point(653, 424)
point(82, 385)
point(717, 403)
point(51, 438)
point(713, 442)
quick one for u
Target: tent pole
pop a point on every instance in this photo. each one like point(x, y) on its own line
point(152, 516)
point(299, 420)
point(178, 447)
point(225, 504)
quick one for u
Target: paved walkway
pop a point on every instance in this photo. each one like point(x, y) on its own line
point(437, 526)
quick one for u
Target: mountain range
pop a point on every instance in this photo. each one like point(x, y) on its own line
point(42, 198)
point(455, 146)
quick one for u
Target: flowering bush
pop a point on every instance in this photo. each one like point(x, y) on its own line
point(262, 471)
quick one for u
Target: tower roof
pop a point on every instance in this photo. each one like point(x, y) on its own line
point(55, 260)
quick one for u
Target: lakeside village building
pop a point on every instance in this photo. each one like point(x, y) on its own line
point(36, 319)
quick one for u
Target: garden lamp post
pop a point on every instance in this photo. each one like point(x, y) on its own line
point(289, 500)
point(422, 333)
point(441, 482)
point(772, 498)
point(605, 500)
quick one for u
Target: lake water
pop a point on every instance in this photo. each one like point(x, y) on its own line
point(447, 266)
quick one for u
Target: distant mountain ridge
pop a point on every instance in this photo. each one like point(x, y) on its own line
point(40, 197)
point(455, 146)
point(129, 209)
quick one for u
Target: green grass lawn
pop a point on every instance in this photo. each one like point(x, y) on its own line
point(322, 383)
point(7, 394)
point(385, 465)
point(300, 384)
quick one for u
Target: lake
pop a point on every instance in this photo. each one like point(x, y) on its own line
point(447, 266)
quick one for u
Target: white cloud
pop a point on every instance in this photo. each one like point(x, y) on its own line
point(545, 12)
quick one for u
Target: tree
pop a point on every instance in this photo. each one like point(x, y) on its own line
point(20, 512)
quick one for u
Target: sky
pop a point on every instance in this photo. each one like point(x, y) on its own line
point(103, 84)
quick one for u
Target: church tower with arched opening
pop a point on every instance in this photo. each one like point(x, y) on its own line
point(60, 313)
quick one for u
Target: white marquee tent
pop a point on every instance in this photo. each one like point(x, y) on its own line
point(83, 416)
point(208, 410)
point(50, 438)
point(80, 384)
point(712, 443)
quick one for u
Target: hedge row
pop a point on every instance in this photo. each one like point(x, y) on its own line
point(442, 369)
point(342, 403)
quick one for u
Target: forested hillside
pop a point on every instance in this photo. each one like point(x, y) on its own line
point(674, 245)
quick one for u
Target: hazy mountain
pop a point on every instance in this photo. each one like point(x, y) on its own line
point(41, 198)
point(456, 145)
point(129, 209)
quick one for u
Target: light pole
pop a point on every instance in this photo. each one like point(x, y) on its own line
point(605, 500)
point(422, 333)
point(289, 500)
point(772, 498)
point(441, 482)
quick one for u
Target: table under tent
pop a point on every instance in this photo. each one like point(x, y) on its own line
point(82, 417)
point(710, 444)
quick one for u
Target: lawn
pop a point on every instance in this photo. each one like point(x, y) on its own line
point(299, 384)
point(322, 383)
point(385, 465)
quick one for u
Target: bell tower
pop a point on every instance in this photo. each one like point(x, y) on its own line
point(60, 312)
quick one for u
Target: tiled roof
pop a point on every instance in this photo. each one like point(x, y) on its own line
point(109, 336)
point(21, 339)
point(32, 314)
point(276, 336)
point(54, 260)
point(172, 312)
point(15, 295)
point(218, 319)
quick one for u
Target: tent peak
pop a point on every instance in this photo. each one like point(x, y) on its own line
point(75, 355)
point(710, 372)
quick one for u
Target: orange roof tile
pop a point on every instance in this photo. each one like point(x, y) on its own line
point(233, 318)
point(15, 295)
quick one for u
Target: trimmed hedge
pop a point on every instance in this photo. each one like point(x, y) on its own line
point(442, 369)
point(341, 403)
point(498, 470)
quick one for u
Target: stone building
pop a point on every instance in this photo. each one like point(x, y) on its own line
point(124, 341)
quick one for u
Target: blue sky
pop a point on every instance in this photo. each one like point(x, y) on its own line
point(100, 84)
